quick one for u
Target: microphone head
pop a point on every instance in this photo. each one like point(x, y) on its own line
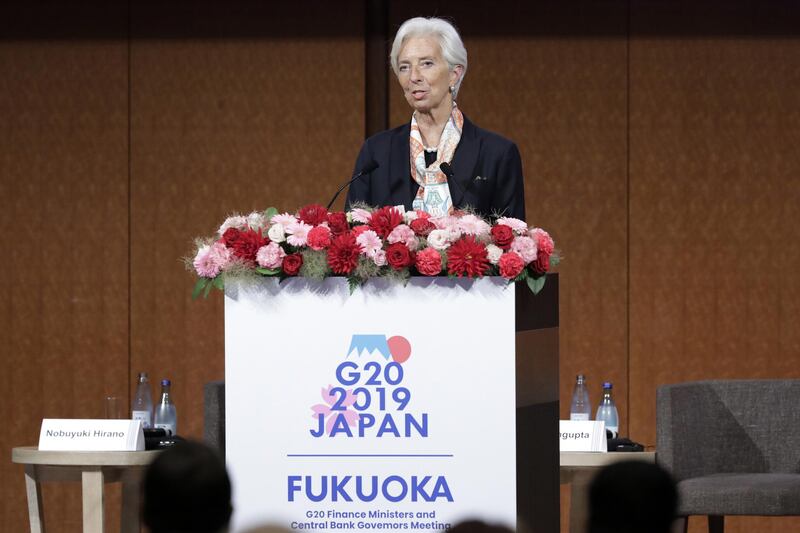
point(447, 169)
point(369, 167)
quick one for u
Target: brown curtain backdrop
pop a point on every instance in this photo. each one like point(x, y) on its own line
point(658, 142)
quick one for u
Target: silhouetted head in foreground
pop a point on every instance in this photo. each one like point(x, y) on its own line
point(187, 489)
point(478, 526)
point(632, 497)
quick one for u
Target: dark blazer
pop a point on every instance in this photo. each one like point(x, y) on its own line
point(487, 169)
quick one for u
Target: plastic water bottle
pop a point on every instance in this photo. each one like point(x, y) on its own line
point(166, 416)
point(142, 407)
point(581, 407)
point(607, 410)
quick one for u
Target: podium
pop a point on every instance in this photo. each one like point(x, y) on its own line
point(404, 407)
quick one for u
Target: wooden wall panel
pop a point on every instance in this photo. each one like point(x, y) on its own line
point(714, 207)
point(227, 124)
point(562, 99)
point(64, 225)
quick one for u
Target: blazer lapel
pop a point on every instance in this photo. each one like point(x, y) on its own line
point(464, 161)
point(402, 188)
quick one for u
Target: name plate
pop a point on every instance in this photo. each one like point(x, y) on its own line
point(582, 436)
point(91, 435)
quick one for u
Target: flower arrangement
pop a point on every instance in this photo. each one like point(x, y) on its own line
point(364, 243)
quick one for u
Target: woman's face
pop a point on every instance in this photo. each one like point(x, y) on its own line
point(424, 75)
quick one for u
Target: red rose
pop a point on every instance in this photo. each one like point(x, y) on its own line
point(319, 238)
point(343, 253)
point(542, 263)
point(468, 257)
point(511, 264)
point(338, 223)
point(399, 256)
point(422, 226)
point(502, 236)
point(384, 220)
point(429, 262)
point(246, 244)
point(313, 214)
point(292, 264)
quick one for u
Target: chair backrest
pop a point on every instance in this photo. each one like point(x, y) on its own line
point(729, 426)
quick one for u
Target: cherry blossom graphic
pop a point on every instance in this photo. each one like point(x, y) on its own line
point(332, 416)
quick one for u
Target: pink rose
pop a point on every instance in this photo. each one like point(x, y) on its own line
point(429, 262)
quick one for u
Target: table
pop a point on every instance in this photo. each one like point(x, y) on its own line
point(578, 468)
point(93, 470)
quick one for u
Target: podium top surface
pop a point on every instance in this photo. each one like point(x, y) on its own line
point(31, 455)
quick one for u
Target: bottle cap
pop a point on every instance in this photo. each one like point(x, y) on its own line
point(608, 385)
point(165, 382)
point(142, 375)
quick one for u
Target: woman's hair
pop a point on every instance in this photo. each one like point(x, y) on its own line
point(453, 49)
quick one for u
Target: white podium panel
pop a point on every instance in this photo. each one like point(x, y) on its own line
point(391, 408)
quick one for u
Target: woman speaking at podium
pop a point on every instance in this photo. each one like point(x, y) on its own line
point(439, 160)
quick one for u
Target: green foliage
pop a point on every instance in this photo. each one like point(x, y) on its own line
point(269, 213)
point(315, 264)
point(366, 268)
point(353, 282)
point(268, 271)
point(199, 286)
point(536, 284)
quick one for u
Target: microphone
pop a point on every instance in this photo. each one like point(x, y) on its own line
point(451, 178)
point(369, 167)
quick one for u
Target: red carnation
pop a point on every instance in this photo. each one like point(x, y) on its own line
point(502, 236)
point(542, 263)
point(292, 264)
point(468, 257)
point(511, 264)
point(429, 262)
point(384, 220)
point(313, 214)
point(246, 244)
point(422, 226)
point(399, 256)
point(338, 223)
point(358, 230)
point(319, 238)
point(343, 254)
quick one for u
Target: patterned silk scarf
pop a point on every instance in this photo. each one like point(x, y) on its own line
point(433, 195)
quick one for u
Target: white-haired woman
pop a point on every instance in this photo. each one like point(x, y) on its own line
point(483, 170)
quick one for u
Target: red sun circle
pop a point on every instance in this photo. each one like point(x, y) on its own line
point(400, 348)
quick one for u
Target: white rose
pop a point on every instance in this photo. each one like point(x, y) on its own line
point(493, 253)
point(277, 233)
point(439, 239)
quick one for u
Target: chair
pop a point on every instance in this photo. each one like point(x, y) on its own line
point(732, 446)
